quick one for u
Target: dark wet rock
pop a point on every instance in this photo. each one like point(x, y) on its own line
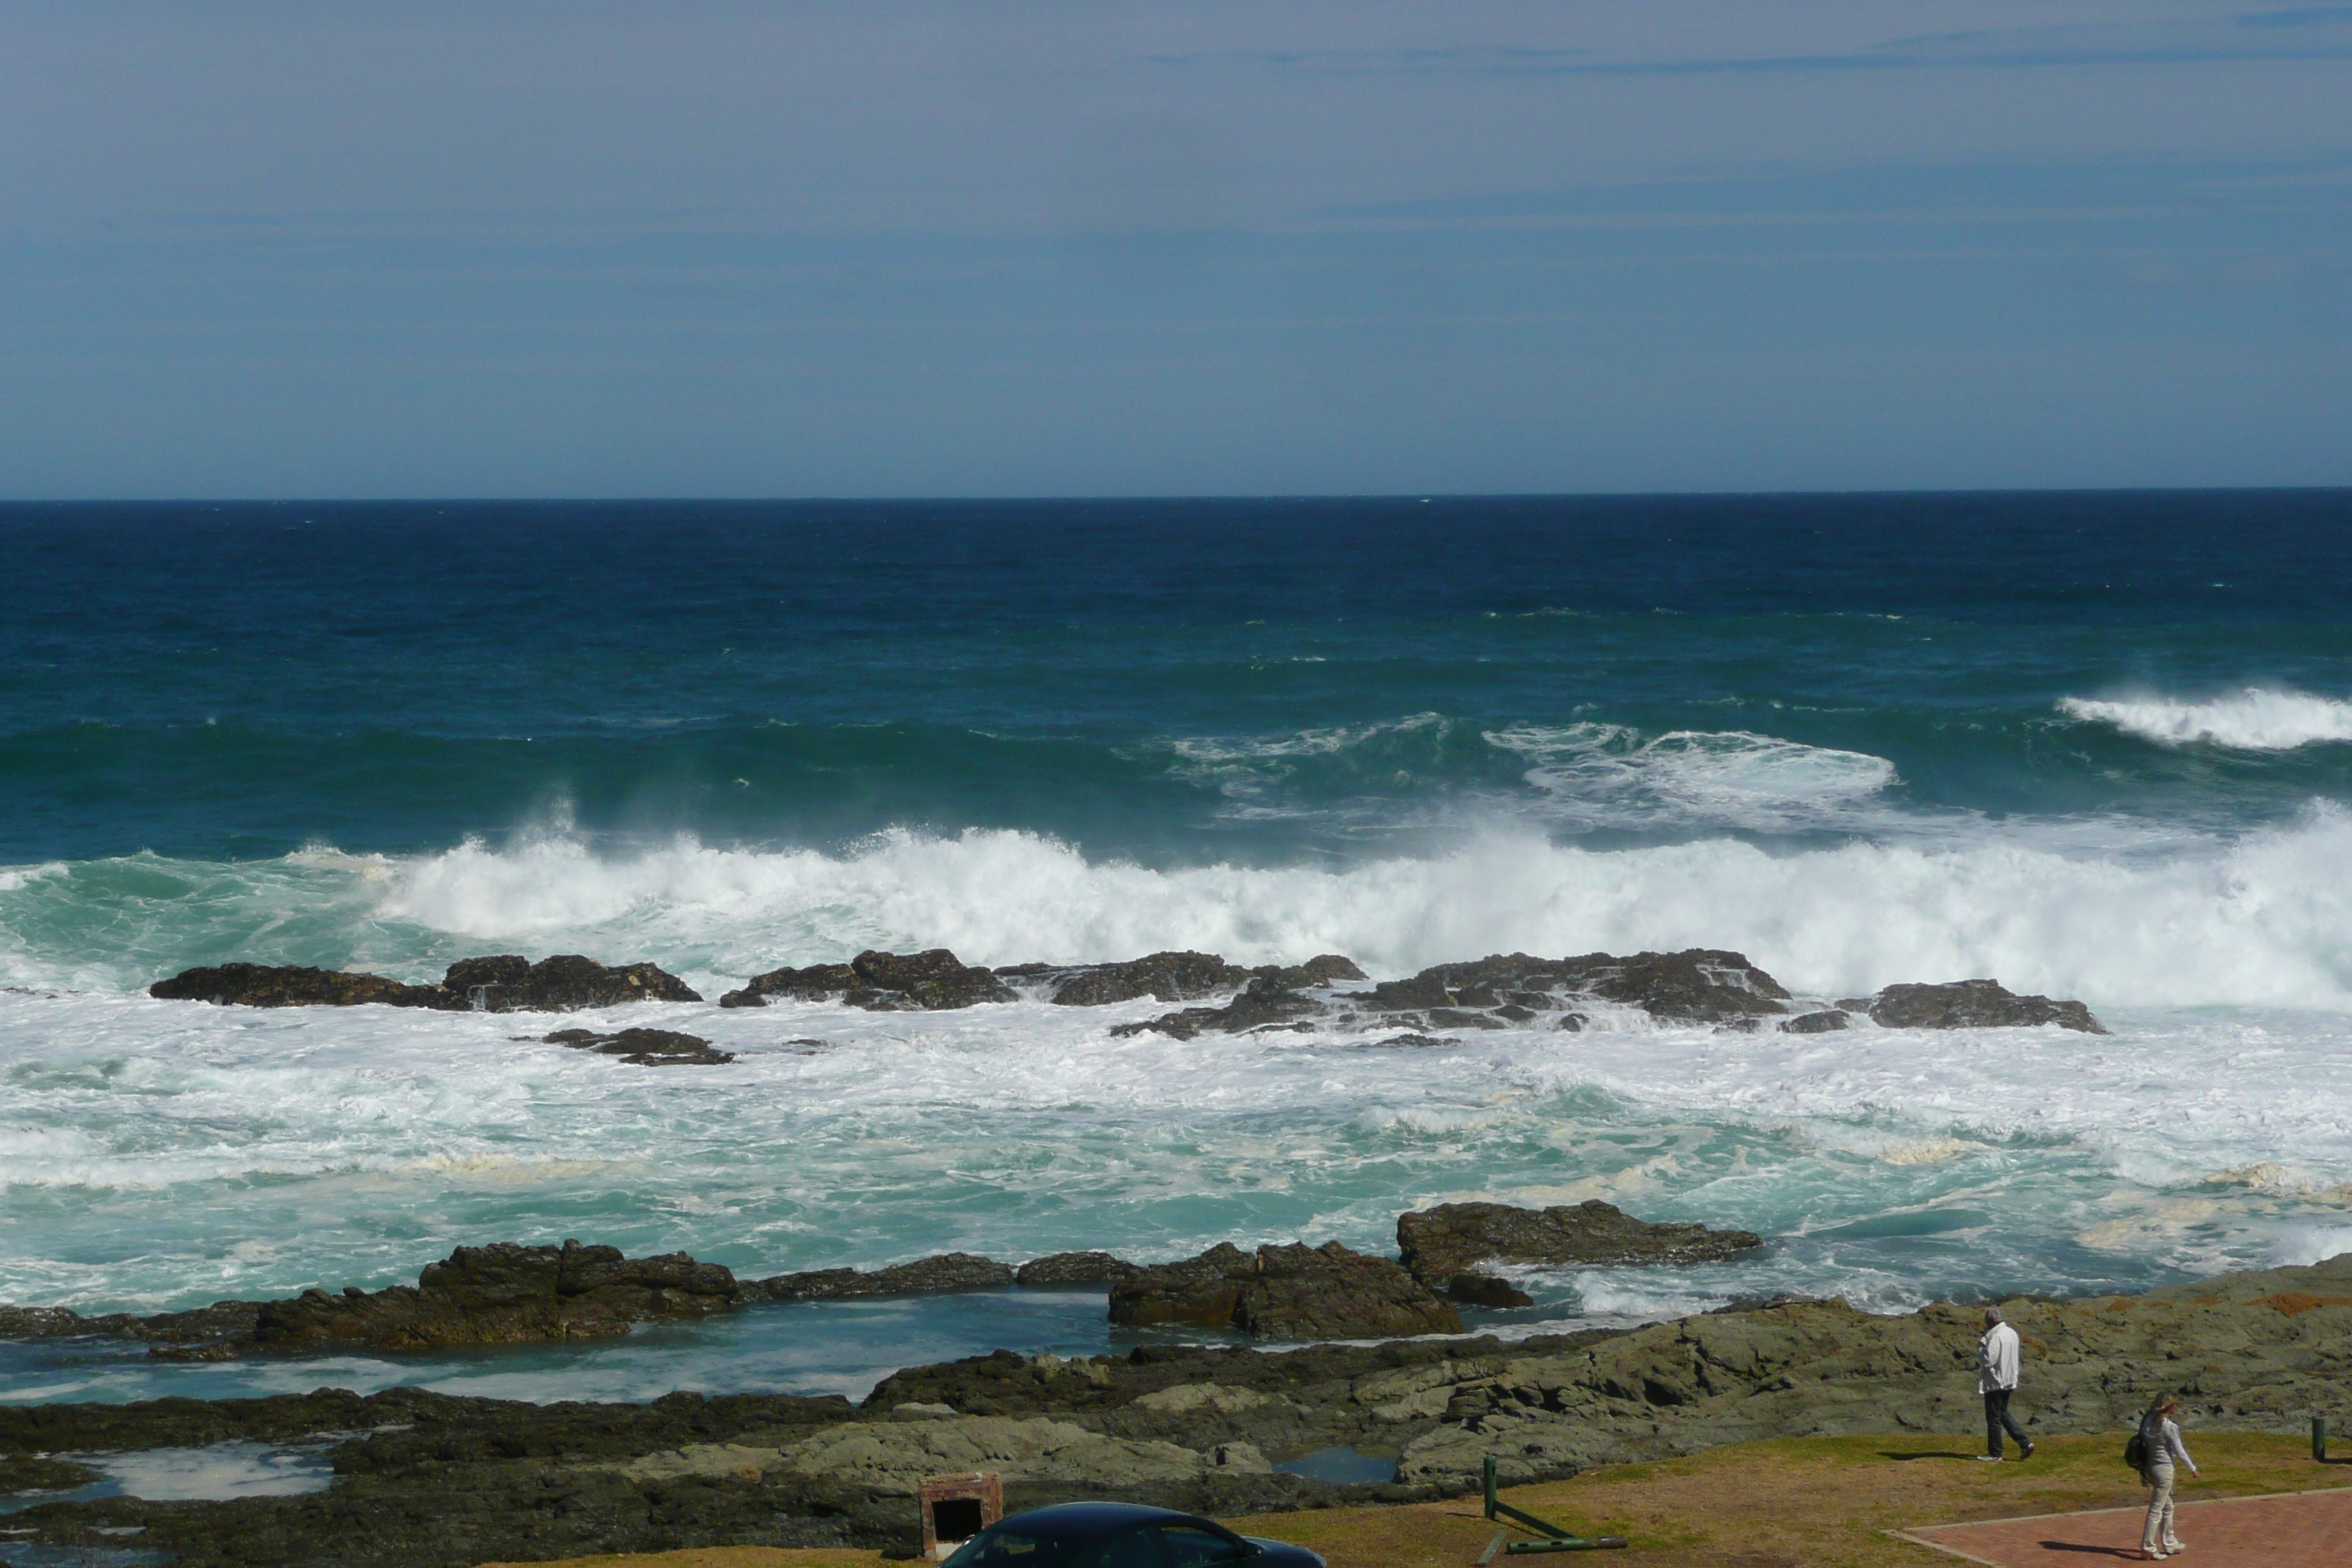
point(39, 1473)
point(289, 985)
point(503, 984)
point(1076, 1269)
point(1323, 969)
point(1821, 1023)
point(1975, 1004)
point(506, 1294)
point(1174, 976)
point(1702, 985)
point(1410, 1041)
point(881, 982)
point(1164, 976)
point(1473, 1289)
point(646, 1047)
point(1283, 1292)
point(937, 1276)
point(200, 1325)
point(1265, 1004)
point(817, 983)
point(1439, 1243)
point(563, 983)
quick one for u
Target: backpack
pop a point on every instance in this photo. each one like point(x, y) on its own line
point(2135, 1451)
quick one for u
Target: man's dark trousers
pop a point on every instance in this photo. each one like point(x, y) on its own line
point(1998, 1418)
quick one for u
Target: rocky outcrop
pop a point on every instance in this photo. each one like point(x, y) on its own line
point(1973, 1004)
point(948, 1272)
point(1283, 1292)
point(1170, 976)
point(1164, 976)
point(292, 985)
point(879, 982)
point(564, 983)
point(1441, 1244)
point(1057, 1269)
point(506, 1294)
point(646, 1047)
point(1702, 985)
point(504, 985)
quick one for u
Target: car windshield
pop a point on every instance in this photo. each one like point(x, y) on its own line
point(997, 1547)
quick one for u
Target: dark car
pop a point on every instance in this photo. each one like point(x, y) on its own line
point(1119, 1535)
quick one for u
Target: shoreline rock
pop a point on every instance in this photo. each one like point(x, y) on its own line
point(504, 1294)
point(1443, 1243)
point(1283, 1292)
point(943, 1273)
point(430, 1480)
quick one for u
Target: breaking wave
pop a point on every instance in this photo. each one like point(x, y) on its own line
point(2263, 920)
point(2255, 719)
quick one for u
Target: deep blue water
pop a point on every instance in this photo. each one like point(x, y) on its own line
point(234, 681)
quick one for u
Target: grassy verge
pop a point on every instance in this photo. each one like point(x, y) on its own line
point(1819, 1502)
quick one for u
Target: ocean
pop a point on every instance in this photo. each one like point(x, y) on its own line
point(2093, 745)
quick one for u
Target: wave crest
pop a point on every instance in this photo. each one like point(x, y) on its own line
point(2255, 719)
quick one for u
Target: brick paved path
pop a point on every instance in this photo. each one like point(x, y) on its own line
point(2306, 1530)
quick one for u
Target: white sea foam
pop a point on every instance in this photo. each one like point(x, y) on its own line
point(1608, 776)
point(2256, 719)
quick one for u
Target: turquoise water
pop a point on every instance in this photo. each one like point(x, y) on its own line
point(2094, 745)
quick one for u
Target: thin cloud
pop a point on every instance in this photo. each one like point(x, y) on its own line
point(2219, 41)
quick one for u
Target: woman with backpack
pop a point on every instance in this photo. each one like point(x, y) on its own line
point(2160, 1446)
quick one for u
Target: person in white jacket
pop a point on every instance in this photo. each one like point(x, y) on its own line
point(1997, 1379)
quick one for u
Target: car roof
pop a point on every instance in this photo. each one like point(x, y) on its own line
point(1073, 1521)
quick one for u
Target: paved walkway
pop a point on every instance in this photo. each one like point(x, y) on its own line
point(2300, 1529)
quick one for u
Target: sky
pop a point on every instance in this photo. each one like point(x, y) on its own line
point(269, 248)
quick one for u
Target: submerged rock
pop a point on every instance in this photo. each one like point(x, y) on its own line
point(506, 1294)
point(646, 1047)
point(40, 1473)
point(1440, 1244)
point(292, 985)
point(1825, 1021)
point(503, 984)
point(879, 982)
point(1268, 1002)
point(948, 1272)
point(1975, 1004)
point(1285, 1292)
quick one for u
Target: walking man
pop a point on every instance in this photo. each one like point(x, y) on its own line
point(1997, 1379)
